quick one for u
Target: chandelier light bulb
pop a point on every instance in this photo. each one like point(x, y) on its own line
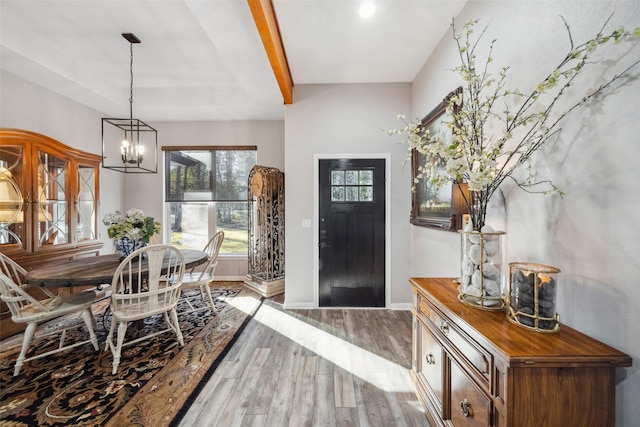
point(131, 154)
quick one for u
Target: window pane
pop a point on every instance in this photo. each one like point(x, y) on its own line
point(337, 177)
point(337, 194)
point(366, 178)
point(189, 225)
point(366, 194)
point(352, 178)
point(209, 175)
point(233, 219)
point(192, 224)
point(352, 194)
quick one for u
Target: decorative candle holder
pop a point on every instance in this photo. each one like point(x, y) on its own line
point(481, 271)
point(532, 296)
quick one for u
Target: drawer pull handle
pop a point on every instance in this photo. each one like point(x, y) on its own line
point(444, 327)
point(465, 407)
point(430, 359)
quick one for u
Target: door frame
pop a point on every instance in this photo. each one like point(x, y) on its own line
point(387, 220)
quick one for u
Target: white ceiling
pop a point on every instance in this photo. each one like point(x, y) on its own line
point(203, 59)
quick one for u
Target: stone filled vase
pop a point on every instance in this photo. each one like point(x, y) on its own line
point(481, 269)
point(126, 246)
point(532, 296)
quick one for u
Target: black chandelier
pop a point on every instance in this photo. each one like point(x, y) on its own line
point(126, 143)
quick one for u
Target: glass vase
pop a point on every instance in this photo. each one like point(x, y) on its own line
point(532, 296)
point(478, 208)
point(481, 279)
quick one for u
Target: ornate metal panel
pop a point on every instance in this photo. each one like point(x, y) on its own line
point(266, 224)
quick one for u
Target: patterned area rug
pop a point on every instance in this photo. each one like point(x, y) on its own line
point(154, 380)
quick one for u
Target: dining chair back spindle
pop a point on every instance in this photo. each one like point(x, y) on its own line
point(145, 284)
point(201, 279)
point(25, 308)
point(17, 273)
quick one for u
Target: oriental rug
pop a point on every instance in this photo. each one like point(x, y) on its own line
point(154, 380)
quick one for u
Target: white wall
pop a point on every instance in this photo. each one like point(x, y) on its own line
point(341, 119)
point(593, 232)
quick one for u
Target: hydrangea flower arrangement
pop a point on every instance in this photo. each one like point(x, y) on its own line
point(133, 225)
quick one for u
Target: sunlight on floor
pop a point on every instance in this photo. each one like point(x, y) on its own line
point(380, 372)
point(244, 304)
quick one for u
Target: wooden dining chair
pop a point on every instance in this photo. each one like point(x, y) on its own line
point(17, 273)
point(201, 279)
point(145, 284)
point(26, 309)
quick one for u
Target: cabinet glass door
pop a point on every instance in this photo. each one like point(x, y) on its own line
point(86, 203)
point(12, 230)
point(51, 201)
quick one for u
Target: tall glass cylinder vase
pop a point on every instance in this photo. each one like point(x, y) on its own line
point(478, 208)
point(481, 278)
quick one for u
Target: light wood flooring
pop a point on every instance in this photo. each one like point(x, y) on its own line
point(326, 367)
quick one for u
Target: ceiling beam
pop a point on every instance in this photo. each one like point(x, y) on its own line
point(267, 24)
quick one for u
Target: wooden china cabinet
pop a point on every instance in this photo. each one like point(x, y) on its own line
point(473, 367)
point(48, 202)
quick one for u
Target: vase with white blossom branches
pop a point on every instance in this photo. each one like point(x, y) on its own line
point(493, 131)
point(496, 130)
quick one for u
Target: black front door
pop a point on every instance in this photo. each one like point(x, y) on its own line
point(352, 232)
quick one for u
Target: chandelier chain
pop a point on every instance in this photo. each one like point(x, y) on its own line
point(131, 82)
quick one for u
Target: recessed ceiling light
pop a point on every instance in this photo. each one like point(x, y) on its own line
point(367, 9)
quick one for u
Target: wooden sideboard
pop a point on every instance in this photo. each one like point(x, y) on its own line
point(473, 367)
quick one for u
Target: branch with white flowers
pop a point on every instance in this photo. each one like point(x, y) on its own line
point(496, 130)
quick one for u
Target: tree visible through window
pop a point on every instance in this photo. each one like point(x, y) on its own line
point(206, 191)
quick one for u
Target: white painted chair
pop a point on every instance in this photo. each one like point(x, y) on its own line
point(146, 283)
point(26, 309)
point(202, 278)
point(17, 273)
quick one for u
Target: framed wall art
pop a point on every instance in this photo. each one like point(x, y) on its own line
point(440, 208)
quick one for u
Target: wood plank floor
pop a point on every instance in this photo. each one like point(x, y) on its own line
point(327, 367)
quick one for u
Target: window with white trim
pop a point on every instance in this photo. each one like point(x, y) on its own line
point(206, 191)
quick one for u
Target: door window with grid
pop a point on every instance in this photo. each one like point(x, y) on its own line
point(352, 185)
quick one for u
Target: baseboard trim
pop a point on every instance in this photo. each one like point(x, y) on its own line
point(298, 306)
point(228, 279)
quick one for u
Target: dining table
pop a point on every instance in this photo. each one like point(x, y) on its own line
point(91, 271)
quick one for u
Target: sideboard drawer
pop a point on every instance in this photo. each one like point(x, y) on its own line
point(431, 365)
point(465, 348)
point(469, 352)
point(429, 312)
point(469, 405)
